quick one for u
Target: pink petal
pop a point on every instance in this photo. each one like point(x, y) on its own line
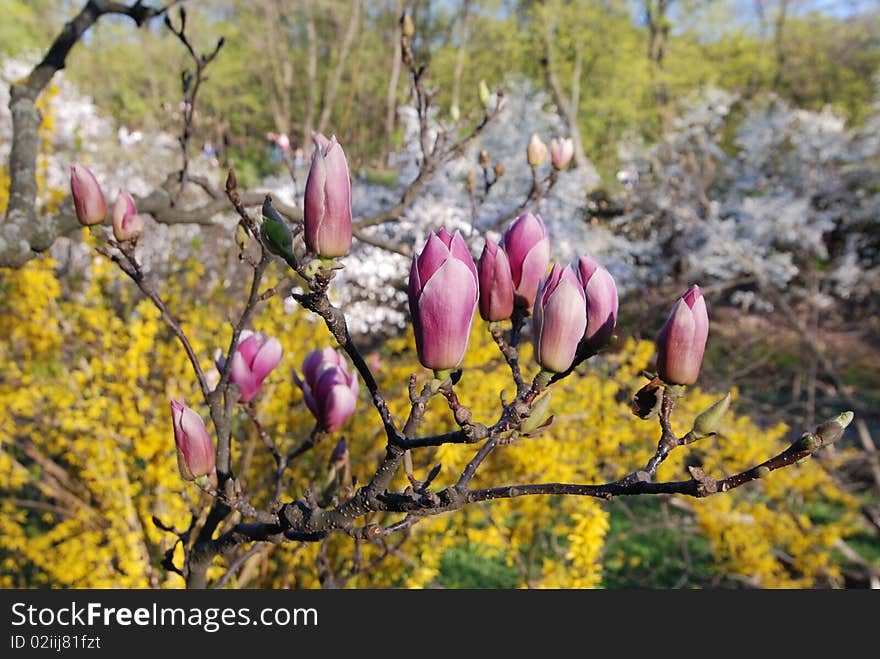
point(674, 358)
point(533, 270)
point(241, 375)
point(446, 310)
point(562, 323)
point(315, 201)
point(316, 361)
point(267, 359)
point(459, 249)
point(602, 306)
point(248, 348)
point(432, 257)
point(525, 232)
point(337, 407)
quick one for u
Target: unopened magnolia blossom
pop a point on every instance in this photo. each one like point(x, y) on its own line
point(327, 209)
point(329, 388)
point(195, 450)
point(682, 341)
point(602, 302)
point(496, 284)
point(527, 244)
point(443, 296)
point(255, 356)
point(127, 224)
point(560, 318)
point(561, 152)
point(88, 198)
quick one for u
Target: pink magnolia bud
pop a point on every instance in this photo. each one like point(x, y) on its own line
point(682, 341)
point(327, 211)
point(329, 389)
point(443, 295)
point(527, 245)
point(601, 294)
point(195, 450)
point(536, 151)
point(88, 199)
point(254, 358)
point(127, 224)
point(496, 284)
point(560, 319)
point(561, 152)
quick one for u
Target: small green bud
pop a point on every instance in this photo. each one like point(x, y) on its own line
point(832, 430)
point(707, 422)
point(537, 415)
point(241, 237)
point(485, 95)
point(675, 390)
point(762, 472)
point(809, 442)
point(407, 26)
point(274, 230)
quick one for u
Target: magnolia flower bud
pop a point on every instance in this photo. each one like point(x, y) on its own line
point(560, 319)
point(254, 358)
point(88, 199)
point(329, 388)
point(195, 450)
point(527, 245)
point(496, 284)
point(561, 152)
point(536, 151)
point(127, 224)
point(443, 295)
point(682, 341)
point(601, 293)
point(327, 211)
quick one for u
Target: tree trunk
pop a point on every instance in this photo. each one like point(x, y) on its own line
point(460, 53)
point(311, 79)
point(393, 81)
point(568, 110)
point(332, 87)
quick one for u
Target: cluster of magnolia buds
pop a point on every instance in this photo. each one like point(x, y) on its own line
point(569, 310)
point(561, 152)
point(329, 388)
point(91, 206)
point(574, 307)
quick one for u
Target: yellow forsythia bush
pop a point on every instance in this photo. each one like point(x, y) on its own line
point(87, 456)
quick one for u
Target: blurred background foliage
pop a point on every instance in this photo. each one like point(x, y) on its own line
point(810, 53)
point(88, 461)
point(86, 449)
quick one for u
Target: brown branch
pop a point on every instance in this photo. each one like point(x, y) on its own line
point(23, 232)
point(127, 262)
point(190, 84)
